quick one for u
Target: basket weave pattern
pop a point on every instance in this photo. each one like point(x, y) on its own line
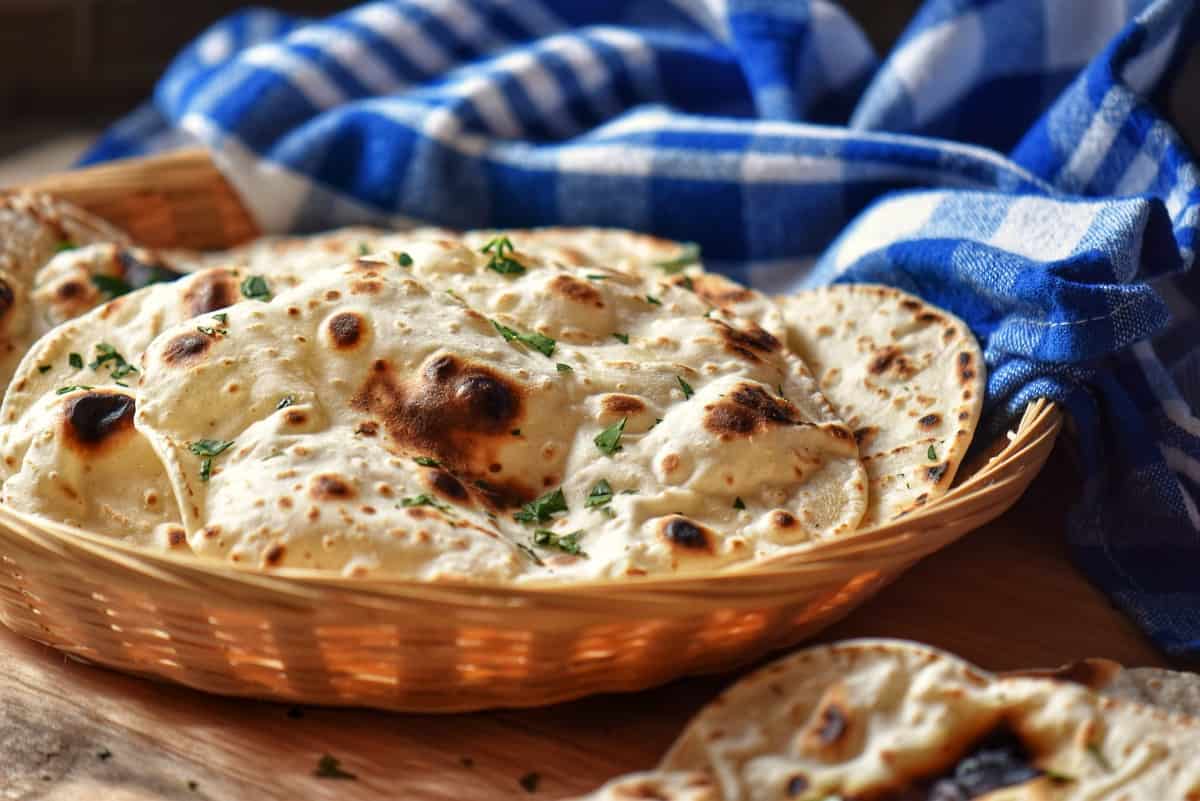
point(302, 636)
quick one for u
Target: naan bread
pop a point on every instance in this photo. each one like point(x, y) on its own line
point(33, 228)
point(330, 391)
point(907, 377)
point(60, 449)
point(893, 720)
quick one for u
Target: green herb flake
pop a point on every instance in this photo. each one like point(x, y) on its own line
point(601, 495)
point(106, 353)
point(221, 318)
point(688, 255)
point(329, 767)
point(738, 503)
point(1098, 755)
point(64, 246)
point(532, 554)
point(403, 259)
point(426, 461)
point(500, 250)
point(567, 543)
point(688, 392)
point(424, 500)
point(209, 449)
point(596, 277)
point(207, 330)
point(539, 342)
point(654, 300)
point(622, 338)
point(286, 401)
point(782, 394)
point(76, 361)
point(43, 368)
point(121, 384)
point(541, 510)
point(629, 492)
point(708, 314)
point(113, 287)
point(530, 781)
point(564, 368)
point(932, 454)
point(72, 388)
point(255, 288)
point(363, 249)
point(687, 284)
point(609, 440)
point(1056, 777)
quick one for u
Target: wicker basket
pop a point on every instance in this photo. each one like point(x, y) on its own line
point(302, 636)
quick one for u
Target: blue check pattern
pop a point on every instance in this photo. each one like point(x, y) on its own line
point(1005, 161)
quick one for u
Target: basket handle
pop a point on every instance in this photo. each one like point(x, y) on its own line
point(174, 200)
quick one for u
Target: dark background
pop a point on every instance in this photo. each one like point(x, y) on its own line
point(76, 65)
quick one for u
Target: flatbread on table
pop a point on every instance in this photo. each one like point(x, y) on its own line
point(907, 377)
point(894, 720)
point(377, 384)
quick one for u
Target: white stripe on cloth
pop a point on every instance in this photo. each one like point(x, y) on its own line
point(354, 55)
point(1144, 69)
point(883, 225)
point(1096, 143)
point(940, 63)
point(1042, 229)
point(304, 76)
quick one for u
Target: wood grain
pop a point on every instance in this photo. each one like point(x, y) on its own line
point(1005, 597)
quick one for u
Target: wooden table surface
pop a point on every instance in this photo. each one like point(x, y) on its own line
point(1004, 597)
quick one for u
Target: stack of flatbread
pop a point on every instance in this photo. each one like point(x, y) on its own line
point(548, 405)
point(896, 721)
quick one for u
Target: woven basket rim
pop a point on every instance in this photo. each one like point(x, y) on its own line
point(838, 557)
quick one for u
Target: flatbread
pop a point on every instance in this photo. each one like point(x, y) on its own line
point(382, 363)
point(890, 719)
point(61, 449)
point(33, 228)
point(907, 377)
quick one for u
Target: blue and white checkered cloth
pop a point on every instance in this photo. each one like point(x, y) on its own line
point(1005, 161)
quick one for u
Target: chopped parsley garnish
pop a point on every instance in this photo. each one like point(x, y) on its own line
point(539, 342)
point(688, 392)
point(426, 461)
point(287, 401)
point(596, 277)
point(329, 767)
point(657, 420)
point(1058, 778)
point(500, 249)
point(708, 313)
point(542, 509)
point(64, 245)
point(363, 249)
point(738, 503)
point(208, 331)
point(530, 781)
point(76, 361)
point(629, 492)
point(403, 259)
point(208, 448)
point(424, 500)
point(567, 543)
point(221, 318)
point(111, 286)
point(532, 554)
point(601, 495)
point(1098, 755)
point(121, 384)
point(609, 440)
point(43, 368)
point(255, 288)
point(564, 368)
point(654, 300)
point(690, 254)
point(622, 338)
point(779, 387)
point(107, 353)
point(72, 388)
point(687, 284)
point(932, 454)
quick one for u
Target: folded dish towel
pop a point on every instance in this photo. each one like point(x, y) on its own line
point(1005, 161)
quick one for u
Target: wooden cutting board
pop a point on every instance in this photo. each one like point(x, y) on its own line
point(1004, 597)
